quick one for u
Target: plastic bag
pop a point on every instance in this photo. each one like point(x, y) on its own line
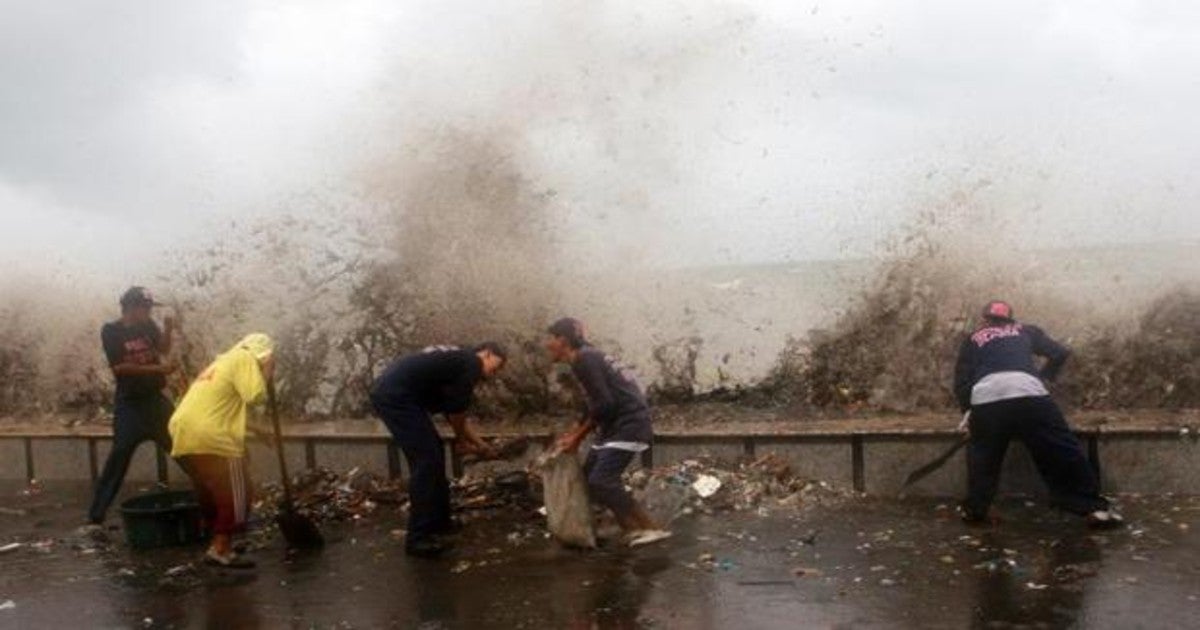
point(665, 498)
point(568, 510)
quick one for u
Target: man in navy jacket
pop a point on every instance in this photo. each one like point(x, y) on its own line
point(1002, 390)
point(437, 380)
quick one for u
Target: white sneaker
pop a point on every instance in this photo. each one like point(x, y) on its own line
point(647, 536)
point(1105, 519)
point(92, 531)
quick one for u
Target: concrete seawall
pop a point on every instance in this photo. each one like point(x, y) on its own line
point(1133, 454)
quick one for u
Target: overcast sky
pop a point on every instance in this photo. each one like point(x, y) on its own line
point(715, 131)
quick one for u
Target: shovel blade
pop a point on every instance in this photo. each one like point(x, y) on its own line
point(299, 531)
point(925, 470)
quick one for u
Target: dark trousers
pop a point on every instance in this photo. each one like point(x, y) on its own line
point(603, 469)
point(135, 421)
point(1039, 424)
point(428, 487)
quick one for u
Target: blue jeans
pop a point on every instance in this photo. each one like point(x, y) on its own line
point(135, 421)
point(428, 487)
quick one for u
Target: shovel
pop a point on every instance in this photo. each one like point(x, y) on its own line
point(923, 471)
point(941, 460)
point(298, 530)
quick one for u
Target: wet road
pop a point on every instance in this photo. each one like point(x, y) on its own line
point(855, 563)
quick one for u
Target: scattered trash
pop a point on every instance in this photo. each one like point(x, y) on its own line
point(709, 562)
point(178, 570)
point(758, 485)
point(11, 547)
point(8, 605)
point(323, 495)
point(12, 511)
point(1033, 586)
point(1072, 572)
point(505, 448)
point(706, 486)
point(806, 572)
point(994, 566)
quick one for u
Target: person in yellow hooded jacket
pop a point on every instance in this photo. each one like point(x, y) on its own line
point(208, 432)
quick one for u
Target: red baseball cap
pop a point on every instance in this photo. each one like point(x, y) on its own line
point(998, 309)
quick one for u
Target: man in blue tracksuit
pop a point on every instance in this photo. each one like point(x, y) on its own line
point(437, 380)
point(1002, 390)
point(618, 413)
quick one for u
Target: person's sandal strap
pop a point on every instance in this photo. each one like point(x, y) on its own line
point(647, 537)
point(229, 561)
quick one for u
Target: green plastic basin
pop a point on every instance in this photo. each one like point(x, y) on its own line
point(162, 519)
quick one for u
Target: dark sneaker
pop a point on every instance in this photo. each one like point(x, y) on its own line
point(971, 517)
point(1105, 519)
point(227, 561)
point(451, 527)
point(426, 548)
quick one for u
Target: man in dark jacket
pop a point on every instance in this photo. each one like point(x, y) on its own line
point(1002, 390)
point(437, 380)
point(136, 349)
point(617, 411)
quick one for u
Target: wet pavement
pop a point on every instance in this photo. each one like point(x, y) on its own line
point(849, 563)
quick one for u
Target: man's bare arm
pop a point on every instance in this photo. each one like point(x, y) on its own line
point(571, 440)
point(166, 343)
point(138, 369)
point(465, 434)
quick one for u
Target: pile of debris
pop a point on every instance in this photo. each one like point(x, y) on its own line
point(323, 495)
point(692, 486)
point(709, 487)
point(515, 489)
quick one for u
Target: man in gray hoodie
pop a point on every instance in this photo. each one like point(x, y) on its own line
point(619, 415)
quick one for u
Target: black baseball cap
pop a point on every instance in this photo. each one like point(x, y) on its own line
point(570, 329)
point(138, 296)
